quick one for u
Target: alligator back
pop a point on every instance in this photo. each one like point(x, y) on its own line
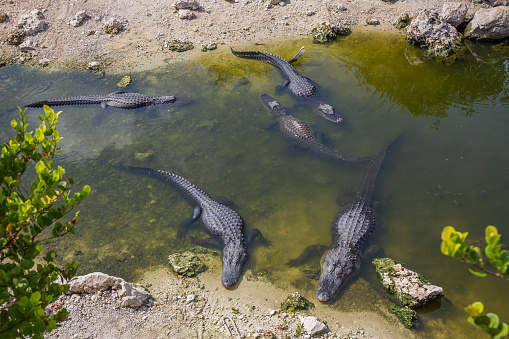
point(299, 85)
point(299, 131)
point(224, 224)
point(355, 223)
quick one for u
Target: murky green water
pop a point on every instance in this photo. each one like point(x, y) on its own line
point(453, 119)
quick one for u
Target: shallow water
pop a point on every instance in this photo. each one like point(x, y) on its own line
point(452, 118)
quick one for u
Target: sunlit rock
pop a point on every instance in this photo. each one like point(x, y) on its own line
point(32, 23)
point(489, 23)
point(408, 286)
point(428, 29)
point(78, 18)
point(312, 325)
point(454, 13)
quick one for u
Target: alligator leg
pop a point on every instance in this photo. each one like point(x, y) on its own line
point(215, 242)
point(308, 251)
point(181, 232)
point(253, 234)
point(301, 51)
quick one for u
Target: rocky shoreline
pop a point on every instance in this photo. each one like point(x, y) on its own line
point(121, 35)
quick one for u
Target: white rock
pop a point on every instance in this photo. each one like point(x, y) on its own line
point(93, 282)
point(186, 14)
point(454, 13)
point(272, 312)
point(190, 298)
point(312, 325)
point(489, 23)
point(78, 18)
point(27, 45)
point(32, 23)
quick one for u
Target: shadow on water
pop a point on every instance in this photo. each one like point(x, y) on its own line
point(220, 143)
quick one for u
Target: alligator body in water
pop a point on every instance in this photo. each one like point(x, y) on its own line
point(299, 132)
point(350, 228)
point(116, 99)
point(223, 224)
point(298, 85)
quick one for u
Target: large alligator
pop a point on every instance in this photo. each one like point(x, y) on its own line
point(116, 99)
point(299, 132)
point(350, 228)
point(298, 85)
point(223, 224)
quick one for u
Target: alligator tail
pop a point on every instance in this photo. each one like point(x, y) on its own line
point(272, 59)
point(80, 100)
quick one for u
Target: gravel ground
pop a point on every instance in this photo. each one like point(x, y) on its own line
point(149, 24)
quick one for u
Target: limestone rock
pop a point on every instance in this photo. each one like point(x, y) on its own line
point(496, 3)
point(93, 282)
point(489, 23)
point(429, 30)
point(78, 18)
point(372, 21)
point(133, 297)
point(294, 302)
point(16, 37)
point(454, 13)
point(96, 282)
point(186, 4)
point(33, 22)
point(325, 31)
point(410, 287)
point(3, 17)
point(312, 325)
point(113, 26)
point(27, 45)
point(186, 14)
point(403, 20)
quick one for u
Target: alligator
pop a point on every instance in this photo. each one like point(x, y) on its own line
point(118, 99)
point(298, 85)
point(223, 224)
point(300, 132)
point(350, 228)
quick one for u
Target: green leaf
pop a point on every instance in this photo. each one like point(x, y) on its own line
point(494, 321)
point(477, 272)
point(475, 309)
point(504, 331)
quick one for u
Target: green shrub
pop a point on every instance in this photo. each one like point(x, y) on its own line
point(29, 207)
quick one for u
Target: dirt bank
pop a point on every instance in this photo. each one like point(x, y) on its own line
point(148, 25)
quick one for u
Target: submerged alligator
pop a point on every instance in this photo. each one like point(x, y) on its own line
point(350, 228)
point(224, 225)
point(300, 132)
point(298, 85)
point(116, 99)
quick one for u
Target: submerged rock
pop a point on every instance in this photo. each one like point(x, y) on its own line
point(405, 315)
point(489, 23)
point(431, 31)
point(186, 264)
point(294, 302)
point(411, 288)
point(125, 81)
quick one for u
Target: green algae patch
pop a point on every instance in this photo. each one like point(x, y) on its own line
point(406, 315)
point(125, 81)
point(180, 46)
point(294, 302)
point(186, 264)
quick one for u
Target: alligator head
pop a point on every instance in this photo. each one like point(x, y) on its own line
point(338, 264)
point(168, 99)
point(233, 256)
point(328, 112)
